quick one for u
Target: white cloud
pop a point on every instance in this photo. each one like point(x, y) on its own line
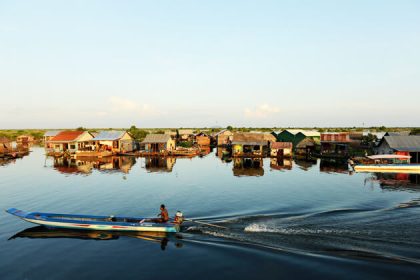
point(261, 111)
point(129, 107)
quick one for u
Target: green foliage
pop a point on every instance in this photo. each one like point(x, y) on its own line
point(229, 127)
point(138, 134)
point(415, 131)
point(80, 128)
point(382, 128)
point(369, 140)
point(185, 144)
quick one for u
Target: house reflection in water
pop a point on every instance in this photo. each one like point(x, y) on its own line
point(281, 163)
point(160, 164)
point(248, 167)
point(334, 167)
point(305, 163)
point(84, 166)
point(397, 181)
point(224, 154)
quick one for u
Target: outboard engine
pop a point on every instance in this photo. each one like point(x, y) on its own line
point(179, 217)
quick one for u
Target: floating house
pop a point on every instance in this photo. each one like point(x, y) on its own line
point(281, 149)
point(250, 145)
point(70, 141)
point(114, 141)
point(401, 145)
point(224, 137)
point(158, 143)
point(48, 135)
point(335, 144)
point(305, 147)
point(202, 139)
point(296, 135)
point(186, 134)
point(5, 145)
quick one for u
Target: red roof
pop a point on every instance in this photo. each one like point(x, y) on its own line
point(281, 145)
point(66, 136)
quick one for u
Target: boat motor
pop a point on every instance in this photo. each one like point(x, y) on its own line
point(179, 217)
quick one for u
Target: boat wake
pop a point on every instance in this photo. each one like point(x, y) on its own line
point(391, 234)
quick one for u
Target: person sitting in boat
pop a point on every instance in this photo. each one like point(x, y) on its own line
point(164, 216)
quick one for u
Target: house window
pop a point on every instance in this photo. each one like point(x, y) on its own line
point(73, 147)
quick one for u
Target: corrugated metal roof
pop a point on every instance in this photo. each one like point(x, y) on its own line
point(51, 133)
point(109, 135)
point(249, 139)
point(281, 145)
point(409, 143)
point(156, 138)
point(67, 136)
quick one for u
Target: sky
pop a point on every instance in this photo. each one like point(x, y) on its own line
point(103, 64)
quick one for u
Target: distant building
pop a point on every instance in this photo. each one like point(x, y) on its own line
point(24, 139)
point(5, 145)
point(158, 143)
point(70, 141)
point(186, 134)
point(305, 147)
point(400, 145)
point(281, 149)
point(114, 141)
point(202, 139)
point(249, 145)
point(296, 135)
point(335, 144)
point(223, 137)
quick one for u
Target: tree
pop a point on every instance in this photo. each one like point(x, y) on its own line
point(229, 127)
point(80, 128)
point(415, 131)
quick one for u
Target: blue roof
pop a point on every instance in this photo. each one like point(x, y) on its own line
point(109, 135)
point(52, 133)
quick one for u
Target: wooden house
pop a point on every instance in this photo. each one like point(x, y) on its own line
point(5, 145)
point(400, 145)
point(115, 141)
point(70, 141)
point(249, 145)
point(159, 143)
point(305, 147)
point(48, 135)
point(186, 134)
point(202, 139)
point(281, 149)
point(335, 144)
point(224, 137)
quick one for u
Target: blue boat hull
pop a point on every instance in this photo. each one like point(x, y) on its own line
point(89, 222)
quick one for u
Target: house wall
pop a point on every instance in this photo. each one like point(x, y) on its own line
point(383, 149)
point(203, 140)
point(286, 152)
point(224, 138)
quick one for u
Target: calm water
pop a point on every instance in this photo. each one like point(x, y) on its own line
point(300, 220)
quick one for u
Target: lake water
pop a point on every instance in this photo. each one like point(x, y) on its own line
point(300, 220)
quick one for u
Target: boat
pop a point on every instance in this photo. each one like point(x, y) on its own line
point(89, 222)
point(388, 164)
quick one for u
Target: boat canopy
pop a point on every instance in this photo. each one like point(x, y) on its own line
point(389, 157)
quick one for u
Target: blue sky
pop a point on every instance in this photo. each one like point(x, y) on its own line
point(206, 63)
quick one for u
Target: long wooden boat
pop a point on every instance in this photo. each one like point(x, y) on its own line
point(380, 164)
point(388, 168)
point(89, 222)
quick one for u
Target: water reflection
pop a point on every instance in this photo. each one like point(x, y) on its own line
point(328, 166)
point(305, 163)
point(248, 167)
point(84, 166)
point(281, 163)
point(160, 164)
point(40, 232)
point(397, 181)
